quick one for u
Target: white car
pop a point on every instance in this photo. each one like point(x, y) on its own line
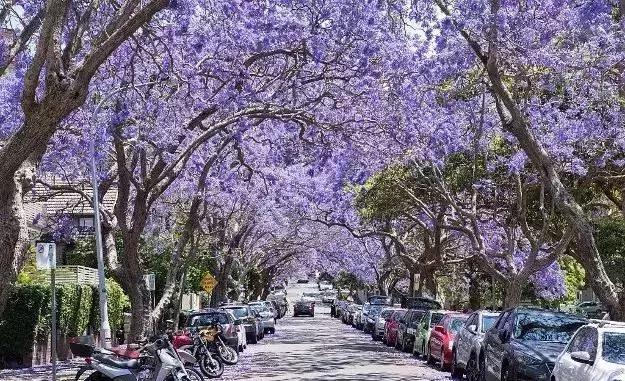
point(595, 353)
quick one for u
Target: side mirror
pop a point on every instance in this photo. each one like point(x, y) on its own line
point(504, 336)
point(440, 329)
point(472, 328)
point(582, 356)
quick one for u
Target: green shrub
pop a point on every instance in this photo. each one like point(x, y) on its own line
point(26, 319)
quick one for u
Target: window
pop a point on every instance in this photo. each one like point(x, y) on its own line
point(436, 318)
point(207, 319)
point(614, 347)
point(546, 326)
point(239, 312)
point(487, 322)
point(386, 314)
point(456, 323)
point(86, 222)
point(585, 341)
point(502, 319)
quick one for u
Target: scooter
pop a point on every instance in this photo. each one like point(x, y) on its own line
point(156, 361)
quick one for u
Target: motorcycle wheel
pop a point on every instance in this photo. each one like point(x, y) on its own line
point(227, 355)
point(97, 376)
point(194, 375)
point(211, 369)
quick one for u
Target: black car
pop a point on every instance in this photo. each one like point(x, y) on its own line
point(304, 307)
point(525, 342)
point(420, 303)
point(380, 300)
point(407, 329)
point(227, 321)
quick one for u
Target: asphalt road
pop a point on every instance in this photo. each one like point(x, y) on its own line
point(306, 349)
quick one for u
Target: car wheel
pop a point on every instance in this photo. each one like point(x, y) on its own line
point(482, 369)
point(253, 339)
point(273, 331)
point(507, 374)
point(430, 359)
point(456, 371)
point(444, 367)
point(397, 342)
point(473, 373)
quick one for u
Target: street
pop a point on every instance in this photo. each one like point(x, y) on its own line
point(306, 349)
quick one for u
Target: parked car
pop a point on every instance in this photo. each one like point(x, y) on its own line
point(421, 303)
point(525, 343)
point(380, 299)
point(407, 329)
point(590, 309)
point(441, 342)
point(468, 344)
point(229, 324)
point(250, 320)
point(357, 317)
point(369, 316)
point(424, 329)
point(595, 353)
point(280, 300)
point(304, 307)
point(391, 326)
point(278, 288)
point(380, 322)
point(266, 315)
point(328, 296)
point(352, 309)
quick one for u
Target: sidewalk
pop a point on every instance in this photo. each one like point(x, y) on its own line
point(65, 371)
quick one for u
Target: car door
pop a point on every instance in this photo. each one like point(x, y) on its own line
point(464, 340)
point(493, 348)
point(436, 338)
point(423, 325)
point(401, 329)
point(585, 340)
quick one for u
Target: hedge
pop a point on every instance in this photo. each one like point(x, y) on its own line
point(26, 319)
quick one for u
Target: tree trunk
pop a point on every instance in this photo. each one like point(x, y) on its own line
point(428, 286)
point(221, 289)
point(475, 292)
point(411, 284)
point(514, 291)
point(14, 238)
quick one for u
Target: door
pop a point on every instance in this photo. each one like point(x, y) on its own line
point(464, 340)
point(494, 348)
point(585, 340)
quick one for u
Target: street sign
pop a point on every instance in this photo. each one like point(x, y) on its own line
point(46, 255)
point(150, 281)
point(208, 282)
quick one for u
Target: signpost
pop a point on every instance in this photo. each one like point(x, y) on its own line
point(46, 260)
point(209, 282)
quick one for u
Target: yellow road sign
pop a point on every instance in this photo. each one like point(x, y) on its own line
point(208, 282)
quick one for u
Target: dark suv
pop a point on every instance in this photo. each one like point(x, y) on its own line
point(407, 329)
point(525, 342)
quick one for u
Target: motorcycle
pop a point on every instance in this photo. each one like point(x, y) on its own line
point(211, 338)
point(155, 361)
point(198, 345)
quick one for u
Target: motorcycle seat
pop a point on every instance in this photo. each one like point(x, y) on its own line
point(129, 364)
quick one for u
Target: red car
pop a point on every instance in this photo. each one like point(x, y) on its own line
point(390, 328)
point(442, 339)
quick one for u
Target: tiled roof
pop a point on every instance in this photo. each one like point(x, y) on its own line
point(42, 200)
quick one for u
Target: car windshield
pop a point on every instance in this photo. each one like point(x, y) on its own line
point(436, 318)
point(375, 310)
point(456, 324)
point(238, 312)
point(400, 315)
point(259, 307)
point(614, 347)
point(488, 322)
point(207, 319)
point(546, 326)
point(386, 314)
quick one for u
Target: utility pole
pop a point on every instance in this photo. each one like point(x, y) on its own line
point(105, 327)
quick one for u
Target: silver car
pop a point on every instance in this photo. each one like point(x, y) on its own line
point(380, 322)
point(468, 343)
point(267, 317)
